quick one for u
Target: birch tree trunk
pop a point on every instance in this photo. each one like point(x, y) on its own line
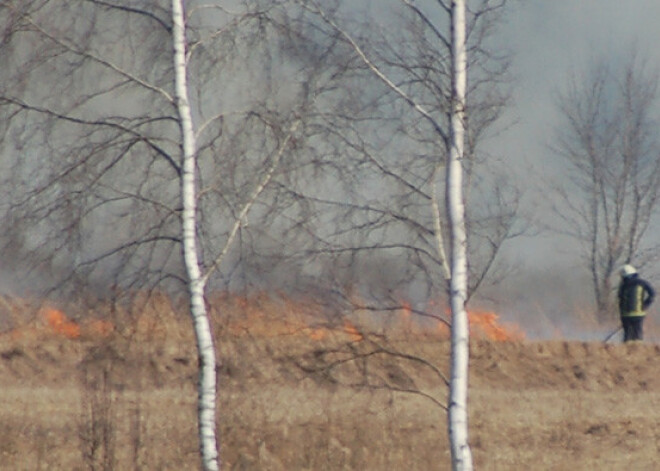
point(206, 387)
point(456, 272)
point(457, 415)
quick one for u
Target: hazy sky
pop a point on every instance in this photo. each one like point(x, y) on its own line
point(551, 39)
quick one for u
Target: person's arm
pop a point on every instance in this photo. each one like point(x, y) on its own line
point(650, 295)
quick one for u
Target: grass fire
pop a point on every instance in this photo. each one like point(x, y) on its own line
point(303, 387)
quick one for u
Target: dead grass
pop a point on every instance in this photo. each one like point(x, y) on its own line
point(306, 392)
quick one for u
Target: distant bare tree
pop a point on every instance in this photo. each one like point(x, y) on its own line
point(608, 139)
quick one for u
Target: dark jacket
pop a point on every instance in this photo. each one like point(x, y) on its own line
point(635, 295)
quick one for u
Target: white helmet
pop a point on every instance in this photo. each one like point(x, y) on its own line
point(628, 270)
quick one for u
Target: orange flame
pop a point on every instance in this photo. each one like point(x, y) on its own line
point(406, 317)
point(59, 323)
point(486, 323)
point(318, 334)
point(354, 334)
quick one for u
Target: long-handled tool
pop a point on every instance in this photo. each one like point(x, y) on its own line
point(612, 334)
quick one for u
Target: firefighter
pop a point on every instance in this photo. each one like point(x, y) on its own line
point(635, 296)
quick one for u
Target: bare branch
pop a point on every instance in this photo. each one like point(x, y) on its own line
point(376, 70)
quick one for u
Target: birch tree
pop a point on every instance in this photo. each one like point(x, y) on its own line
point(410, 82)
point(150, 134)
point(393, 138)
point(206, 388)
point(458, 417)
point(611, 155)
point(130, 143)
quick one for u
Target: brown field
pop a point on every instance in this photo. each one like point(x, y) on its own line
point(300, 395)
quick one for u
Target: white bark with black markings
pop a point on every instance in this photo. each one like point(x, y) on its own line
point(458, 389)
point(205, 347)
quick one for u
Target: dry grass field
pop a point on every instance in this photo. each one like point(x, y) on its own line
point(296, 394)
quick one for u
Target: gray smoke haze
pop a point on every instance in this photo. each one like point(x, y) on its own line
point(550, 40)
